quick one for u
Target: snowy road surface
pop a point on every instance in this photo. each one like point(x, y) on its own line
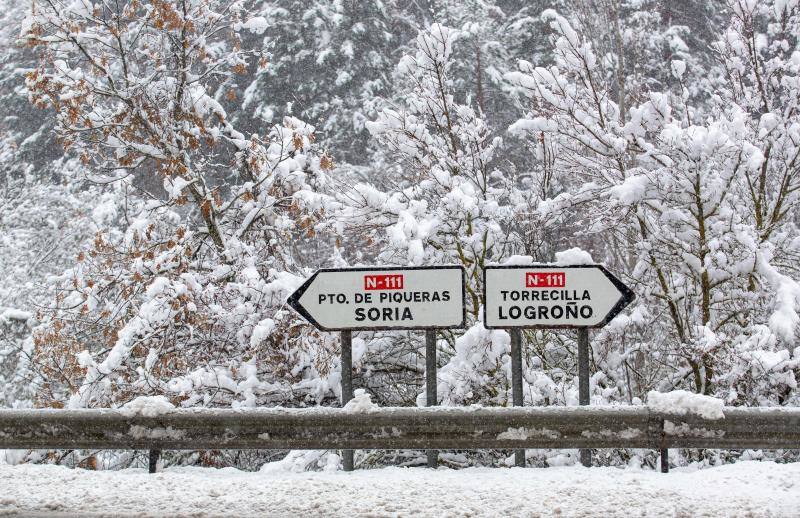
point(743, 489)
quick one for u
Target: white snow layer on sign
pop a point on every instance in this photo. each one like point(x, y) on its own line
point(573, 256)
point(750, 489)
point(570, 257)
point(682, 402)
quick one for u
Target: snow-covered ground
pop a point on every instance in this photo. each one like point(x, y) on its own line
point(743, 489)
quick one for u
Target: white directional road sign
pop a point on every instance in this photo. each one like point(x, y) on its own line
point(548, 296)
point(383, 298)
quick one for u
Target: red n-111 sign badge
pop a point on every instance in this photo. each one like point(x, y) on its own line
point(545, 279)
point(383, 282)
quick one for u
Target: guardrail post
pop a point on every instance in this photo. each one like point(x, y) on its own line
point(347, 387)
point(431, 398)
point(153, 456)
point(583, 383)
point(663, 451)
point(516, 383)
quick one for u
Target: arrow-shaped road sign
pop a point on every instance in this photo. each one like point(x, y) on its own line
point(383, 298)
point(548, 296)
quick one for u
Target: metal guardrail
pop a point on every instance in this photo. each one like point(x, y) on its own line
point(391, 428)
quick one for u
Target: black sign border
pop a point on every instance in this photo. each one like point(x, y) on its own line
point(627, 295)
point(294, 298)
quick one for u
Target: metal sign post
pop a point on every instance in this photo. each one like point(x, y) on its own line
point(152, 460)
point(549, 296)
point(516, 383)
point(384, 298)
point(431, 398)
point(583, 383)
point(347, 387)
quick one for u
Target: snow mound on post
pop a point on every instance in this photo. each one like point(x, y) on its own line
point(682, 402)
point(147, 406)
point(361, 402)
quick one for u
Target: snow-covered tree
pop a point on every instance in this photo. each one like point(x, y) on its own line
point(686, 193)
point(451, 202)
point(453, 206)
point(42, 228)
point(328, 63)
point(186, 299)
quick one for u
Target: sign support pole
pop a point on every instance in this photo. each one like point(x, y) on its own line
point(152, 460)
point(347, 387)
point(583, 382)
point(664, 460)
point(431, 398)
point(516, 383)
